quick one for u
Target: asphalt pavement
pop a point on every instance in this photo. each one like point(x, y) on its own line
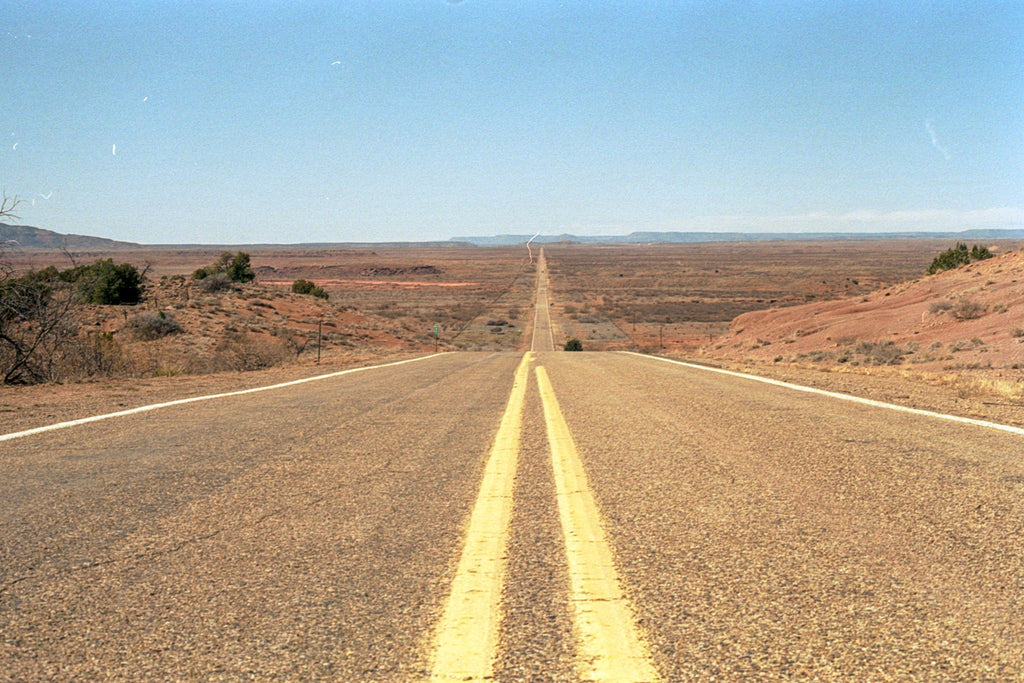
point(313, 532)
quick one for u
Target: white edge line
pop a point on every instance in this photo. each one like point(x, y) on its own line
point(194, 399)
point(843, 397)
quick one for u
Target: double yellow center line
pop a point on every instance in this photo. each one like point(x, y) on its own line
point(467, 636)
point(609, 646)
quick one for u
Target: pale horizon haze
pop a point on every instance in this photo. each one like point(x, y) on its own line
point(280, 122)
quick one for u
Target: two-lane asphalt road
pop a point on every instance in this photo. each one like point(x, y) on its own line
point(539, 516)
point(543, 335)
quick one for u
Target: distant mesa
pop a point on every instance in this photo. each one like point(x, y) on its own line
point(704, 237)
point(28, 237)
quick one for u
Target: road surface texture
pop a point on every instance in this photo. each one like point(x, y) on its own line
point(543, 339)
point(514, 517)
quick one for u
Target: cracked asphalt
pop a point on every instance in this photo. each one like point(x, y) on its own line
point(303, 534)
point(312, 533)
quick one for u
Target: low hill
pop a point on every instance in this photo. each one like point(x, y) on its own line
point(970, 319)
point(28, 237)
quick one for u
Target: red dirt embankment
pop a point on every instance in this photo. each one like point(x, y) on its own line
point(962, 328)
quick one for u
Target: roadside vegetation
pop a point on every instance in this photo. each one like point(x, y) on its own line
point(60, 325)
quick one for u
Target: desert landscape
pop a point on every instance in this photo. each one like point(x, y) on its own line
point(472, 341)
point(854, 316)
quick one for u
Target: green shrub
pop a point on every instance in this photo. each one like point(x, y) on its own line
point(109, 284)
point(958, 256)
point(236, 267)
point(573, 344)
point(301, 286)
point(102, 282)
point(979, 253)
point(240, 270)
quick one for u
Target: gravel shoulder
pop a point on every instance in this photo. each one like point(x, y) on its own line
point(25, 407)
point(942, 393)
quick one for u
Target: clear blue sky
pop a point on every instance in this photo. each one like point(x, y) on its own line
point(241, 122)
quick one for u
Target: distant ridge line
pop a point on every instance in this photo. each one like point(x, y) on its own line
point(30, 237)
point(703, 237)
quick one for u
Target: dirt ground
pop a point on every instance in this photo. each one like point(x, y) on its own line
point(682, 296)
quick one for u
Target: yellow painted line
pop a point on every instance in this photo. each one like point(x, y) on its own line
point(609, 646)
point(466, 638)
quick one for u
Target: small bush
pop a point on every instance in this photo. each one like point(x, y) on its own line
point(979, 253)
point(301, 286)
point(242, 351)
point(240, 269)
point(95, 355)
point(105, 283)
point(966, 309)
point(1017, 332)
point(573, 344)
point(958, 256)
point(940, 306)
point(881, 353)
point(236, 267)
point(148, 326)
point(214, 283)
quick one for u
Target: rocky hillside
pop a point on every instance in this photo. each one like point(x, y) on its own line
point(963, 320)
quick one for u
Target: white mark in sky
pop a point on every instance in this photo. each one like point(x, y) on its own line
point(336, 62)
point(46, 196)
point(145, 98)
point(935, 139)
point(528, 249)
point(15, 146)
point(113, 150)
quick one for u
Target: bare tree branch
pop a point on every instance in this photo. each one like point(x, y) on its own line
point(7, 206)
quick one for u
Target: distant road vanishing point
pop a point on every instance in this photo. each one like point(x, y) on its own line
point(514, 516)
